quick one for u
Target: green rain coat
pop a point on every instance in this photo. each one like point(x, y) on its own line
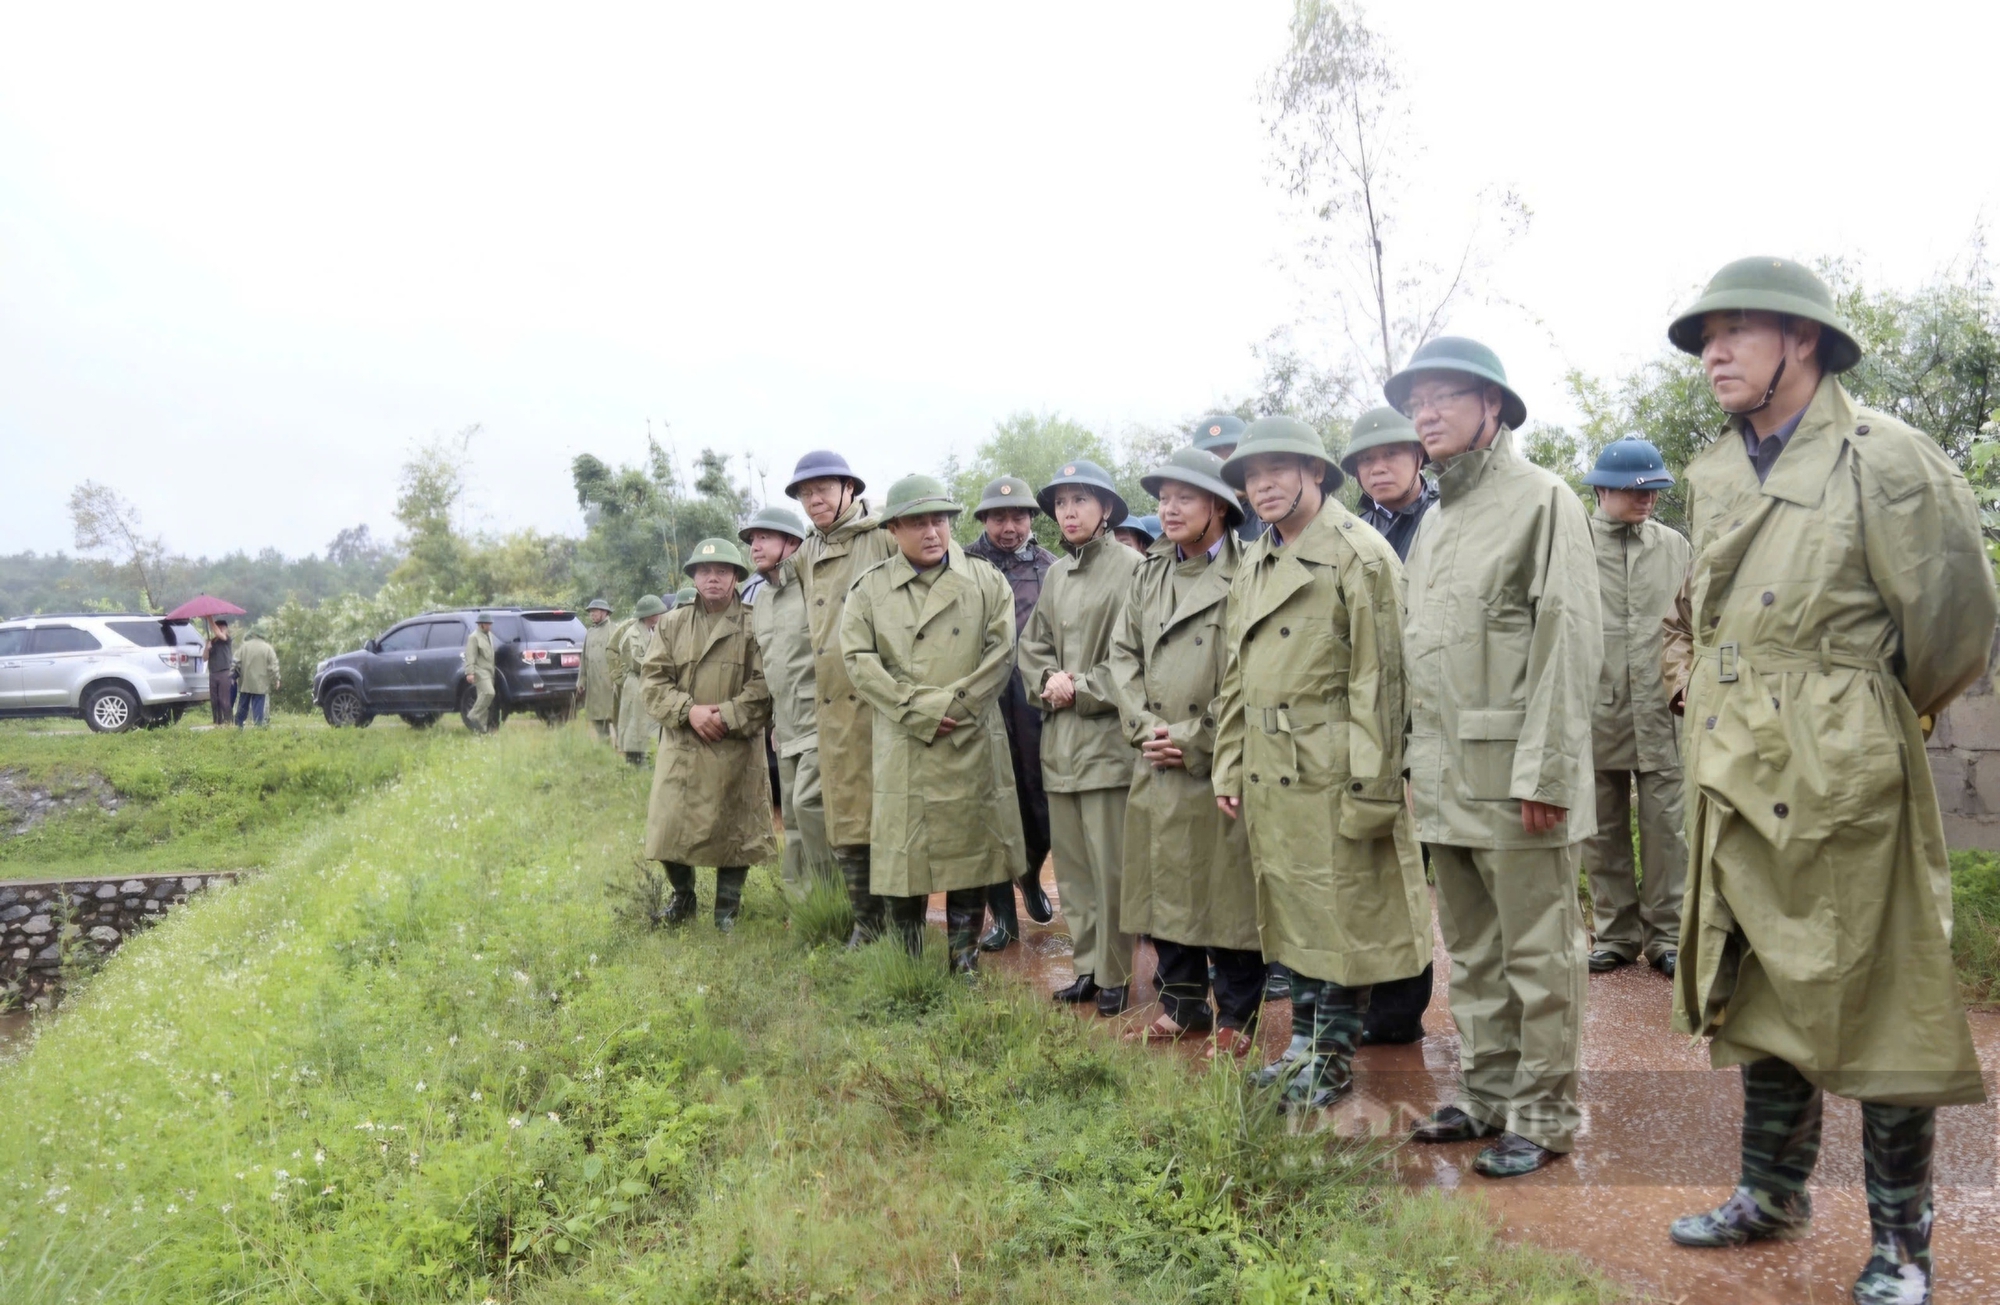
point(1505, 645)
point(711, 802)
point(257, 666)
point(1083, 596)
point(1309, 734)
point(1187, 865)
point(1639, 570)
point(629, 643)
point(919, 648)
point(1836, 603)
point(826, 564)
point(476, 657)
point(600, 687)
point(778, 620)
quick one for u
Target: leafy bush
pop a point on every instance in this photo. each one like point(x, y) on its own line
point(1975, 933)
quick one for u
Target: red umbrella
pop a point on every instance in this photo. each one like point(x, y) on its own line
point(204, 605)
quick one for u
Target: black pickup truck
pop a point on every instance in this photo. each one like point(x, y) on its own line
point(416, 669)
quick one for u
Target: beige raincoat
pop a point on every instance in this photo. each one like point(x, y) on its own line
point(600, 687)
point(1828, 609)
point(826, 564)
point(711, 802)
point(1187, 866)
point(918, 648)
point(1309, 734)
point(629, 642)
point(778, 620)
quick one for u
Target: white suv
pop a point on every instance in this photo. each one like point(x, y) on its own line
point(116, 670)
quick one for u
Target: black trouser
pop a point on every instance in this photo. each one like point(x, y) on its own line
point(1183, 980)
point(1396, 1011)
point(1024, 748)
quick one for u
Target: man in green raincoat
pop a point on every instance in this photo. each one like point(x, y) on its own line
point(1065, 660)
point(476, 659)
point(630, 640)
point(778, 620)
point(703, 681)
point(846, 541)
point(1505, 647)
point(1640, 567)
point(1188, 884)
point(928, 640)
point(1840, 595)
point(596, 686)
point(1309, 753)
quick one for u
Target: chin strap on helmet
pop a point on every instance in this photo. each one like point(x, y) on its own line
point(1769, 392)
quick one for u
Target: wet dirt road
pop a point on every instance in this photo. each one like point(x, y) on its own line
point(1659, 1140)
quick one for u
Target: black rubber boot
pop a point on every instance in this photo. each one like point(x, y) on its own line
point(1035, 898)
point(636, 758)
point(906, 915)
point(963, 911)
point(1006, 928)
point(1781, 1126)
point(868, 908)
point(681, 905)
point(1896, 1143)
point(729, 895)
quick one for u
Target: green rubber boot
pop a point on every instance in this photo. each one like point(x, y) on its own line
point(729, 895)
point(1781, 1127)
point(681, 905)
point(1896, 1143)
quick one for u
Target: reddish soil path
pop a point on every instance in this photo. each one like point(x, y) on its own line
point(1659, 1140)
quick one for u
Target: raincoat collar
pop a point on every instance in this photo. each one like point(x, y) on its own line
point(1460, 475)
point(1092, 549)
point(851, 522)
point(1800, 476)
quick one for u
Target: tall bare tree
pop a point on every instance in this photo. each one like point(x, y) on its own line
point(106, 522)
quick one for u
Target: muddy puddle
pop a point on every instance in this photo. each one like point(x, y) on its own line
point(1659, 1140)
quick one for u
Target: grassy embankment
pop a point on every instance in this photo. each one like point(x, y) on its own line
point(420, 1059)
point(1975, 930)
point(192, 799)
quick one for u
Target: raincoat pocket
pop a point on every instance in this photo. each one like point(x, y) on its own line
point(1486, 752)
point(1362, 820)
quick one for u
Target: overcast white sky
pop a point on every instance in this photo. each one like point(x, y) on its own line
point(248, 257)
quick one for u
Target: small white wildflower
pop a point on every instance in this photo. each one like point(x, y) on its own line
point(413, 1159)
point(172, 1208)
point(281, 1175)
point(451, 1041)
point(297, 1154)
point(227, 1207)
point(514, 1123)
point(477, 1095)
point(554, 1118)
point(64, 1208)
point(319, 1157)
point(538, 1184)
point(420, 1085)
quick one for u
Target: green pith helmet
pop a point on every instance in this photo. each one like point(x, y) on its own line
point(648, 605)
point(1281, 435)
point(772, 517)
point(484, 618)
point(1630, 463)
point(1455, 353)
point(1088, 474)
point(725, 551)
point(598, 605)
point(1378, 427)
point(1771, 285)
point(1006, 492)
point(919, 495)
point(685, 595)
point(1218, 431)
point(1198, 467)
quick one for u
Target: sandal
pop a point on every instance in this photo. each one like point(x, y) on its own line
point(1161, 1030)
point(1229, 1042)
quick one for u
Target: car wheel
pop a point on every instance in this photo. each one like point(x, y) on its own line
point(420, 720)
point(343, 707)
point(111, 709)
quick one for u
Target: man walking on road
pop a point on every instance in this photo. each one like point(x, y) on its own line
point(784, 638)
point(1006, 515)
point(1841, 596)
point(599, 691)
point(477, 659)
point(1505, 644)
point(256, 679)
point(1641, 565)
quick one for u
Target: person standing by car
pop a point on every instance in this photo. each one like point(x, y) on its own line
point(596, 688)
point(220, 655)
point(477, 658)
point(629, 641)
point(256, 679)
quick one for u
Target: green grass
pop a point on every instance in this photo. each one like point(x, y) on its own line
point(1975, 932)
point(423, 1059)
point(197, 799)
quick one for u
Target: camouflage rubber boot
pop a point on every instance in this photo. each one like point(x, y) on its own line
point(1781, 1126)
point(963, 911)
point(854, 868)
point(1896, 1144)
point(729, 895)
point(681, 905)
point(906, 916)
point(1327, 1073)
point(1304, 998)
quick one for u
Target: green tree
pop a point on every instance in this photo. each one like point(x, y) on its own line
point(640, 522)
point(1033, 446)
point(427, 504)
point(106, 522)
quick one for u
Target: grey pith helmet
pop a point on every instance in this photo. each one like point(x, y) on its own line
point(648, 605)
point(1771, 285)
point(684, 595)
point(1218, 431)
point(1084, 472)
point(598, 605)
point(484, 618)
point(1006, 492)
point(1198, 467)
point(718, 550)
point(1378, 427)
point(1140, 526)
point(821, 462)
point(919, 495)
point(1630, 463)
point(1282, 435)
point(1455, 353)
point(772, 517)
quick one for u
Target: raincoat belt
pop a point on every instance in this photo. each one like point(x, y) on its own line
point(1281, 719)
point(1732, 659)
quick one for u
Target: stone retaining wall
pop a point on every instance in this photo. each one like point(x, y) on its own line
point(49, 925)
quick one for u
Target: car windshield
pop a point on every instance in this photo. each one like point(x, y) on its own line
point(553, 627)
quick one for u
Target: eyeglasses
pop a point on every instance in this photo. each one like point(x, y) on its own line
point(1436, 400)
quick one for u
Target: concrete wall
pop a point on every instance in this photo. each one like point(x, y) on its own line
point(1964, 751)
point(52, 924)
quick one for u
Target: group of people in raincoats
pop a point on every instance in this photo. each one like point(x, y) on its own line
point(1244, 736)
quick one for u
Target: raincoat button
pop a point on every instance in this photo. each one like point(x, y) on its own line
point(954, 629)
point(1711, 722)
point(1284, 632)
point(1284, 781)
point(1781, 810)
point(1768, 598)
point(819, 602)
point(1253, 779)
point(1860, 430)
point(1774, 704)
point(1197, 640)
point(1355, 786)
point(1208, 721)
point(920, 634)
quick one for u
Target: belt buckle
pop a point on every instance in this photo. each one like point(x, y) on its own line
point(1726, 657)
